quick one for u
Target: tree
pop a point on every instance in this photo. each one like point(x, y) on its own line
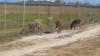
point(57, 1)
point(31, 0)
point(98, 5)
point(87, 4)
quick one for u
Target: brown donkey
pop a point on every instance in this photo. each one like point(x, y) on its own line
point(75, 23)
point(35, 26)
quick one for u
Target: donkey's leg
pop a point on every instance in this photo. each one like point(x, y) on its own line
point(30, 27)
point(59, 29)
point(71, 26)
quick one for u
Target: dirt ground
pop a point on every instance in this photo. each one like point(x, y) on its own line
point(80, 48)
point(56, 44)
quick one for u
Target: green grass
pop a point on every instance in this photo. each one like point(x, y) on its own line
point(15, 18)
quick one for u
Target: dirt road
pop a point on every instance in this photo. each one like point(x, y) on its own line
point(43, 42)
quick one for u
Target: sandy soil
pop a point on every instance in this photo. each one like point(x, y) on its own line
point(79, 48)
point(36, 43)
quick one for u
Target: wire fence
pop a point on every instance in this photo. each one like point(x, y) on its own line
point(15, 18)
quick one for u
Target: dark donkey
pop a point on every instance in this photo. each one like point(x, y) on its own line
point(31, 27)
point(58, 26)
point(75, 23)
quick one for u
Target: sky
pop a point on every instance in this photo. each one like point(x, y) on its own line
point(90, 1)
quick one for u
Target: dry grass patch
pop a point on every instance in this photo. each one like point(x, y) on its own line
point(16, 45)
point(22, 44)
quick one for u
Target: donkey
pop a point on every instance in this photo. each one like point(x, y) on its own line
point(75, 23)
point(35, 26)
point(58, 26)
point(38, 26)
point(31, 26)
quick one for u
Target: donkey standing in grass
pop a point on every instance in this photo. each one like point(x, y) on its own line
point(31, 26)
point(35, 26)
point(75, 23)
point(58, 26)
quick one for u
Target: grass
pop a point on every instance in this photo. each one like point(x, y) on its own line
point(15, 18)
